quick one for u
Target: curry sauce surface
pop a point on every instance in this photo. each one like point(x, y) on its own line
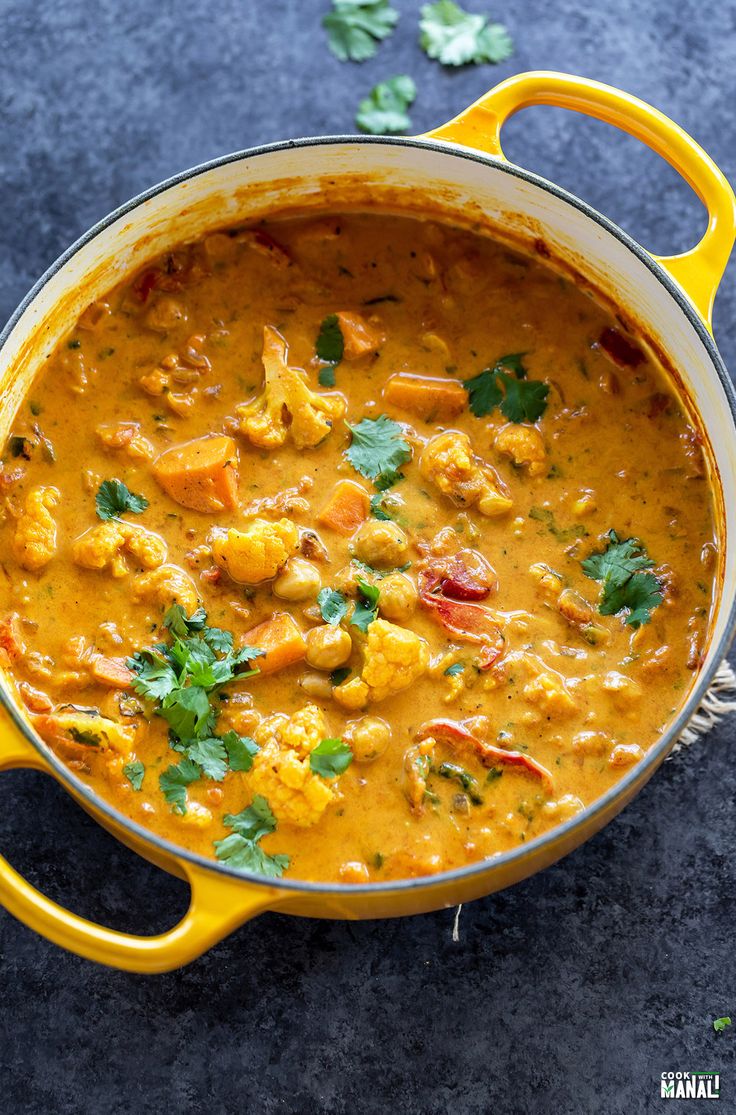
point(177, 354)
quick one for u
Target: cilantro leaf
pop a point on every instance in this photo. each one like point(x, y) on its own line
point(245, 855)
point(484, 393)
point(326, 376)
point(240, 750)
point(624, 570)
point(173, 783)
point(210, 755)
point(378, 449)
point(366, 610)
point(720, 1024)
point(187, 710)
point(333, 606)
point(253, 822)
point(240, 849)
point(455, 37)
point(355, 27)
point(134, 772)
point(377, 510)
point(338, 676)
point(330, 758)
point(385, 110)
point(114, 498)
point(179, 624)
point(454, 669)
point(154, 676)
point(330, 344)
point(519, 399)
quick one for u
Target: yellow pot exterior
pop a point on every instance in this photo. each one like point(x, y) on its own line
point(222, 900)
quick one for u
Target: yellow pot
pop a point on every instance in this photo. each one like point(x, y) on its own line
point(457, 171)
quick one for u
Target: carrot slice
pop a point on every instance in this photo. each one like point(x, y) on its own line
point(348, 507)
point(359, 338)
point(201, 474)
point(111, 671)
point(282, 640)
point(431, 398)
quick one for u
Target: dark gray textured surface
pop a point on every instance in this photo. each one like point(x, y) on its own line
point(575, 990)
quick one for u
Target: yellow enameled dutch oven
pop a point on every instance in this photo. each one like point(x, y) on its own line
point(457, 171)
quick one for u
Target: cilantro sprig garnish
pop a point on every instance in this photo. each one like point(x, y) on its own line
point(507, 387)
point(378, 450)
point(355, 27)
point(330, 757)
point(114, 498)
point(241, 848)
point(385, 110)
point(456, 37)
point(181, 679)
point(624, 570)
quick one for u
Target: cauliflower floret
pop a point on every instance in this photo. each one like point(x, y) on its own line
point(287, 407)
point(549, 693)
point(301, 732)
point(165, 586)
point(394, 659)
point(257, 553)
point(127, 436)
point(281, 770)
point(449, 462)
point(525, 446)
point(34, 543)
point(107, 543)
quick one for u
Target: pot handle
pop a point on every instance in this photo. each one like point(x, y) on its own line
point(218, 905)
point(697, 271)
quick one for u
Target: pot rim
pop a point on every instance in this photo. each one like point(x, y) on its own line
point(658, 751)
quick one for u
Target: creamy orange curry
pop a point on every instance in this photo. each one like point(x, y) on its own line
point(353, 548)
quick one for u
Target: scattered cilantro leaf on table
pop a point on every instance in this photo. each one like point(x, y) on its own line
point(330, 757)
point(507, 387)
point(385, 110)
point(624, 570)
point(241, 850)
point(720, 1024)
point(134, 772)
point(455, 37)
point(378, 450)
point(332, 604)
point(114, 498)
point(366, 610)
point(355, 27)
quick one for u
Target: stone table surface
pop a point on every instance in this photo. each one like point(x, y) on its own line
point(571, 992)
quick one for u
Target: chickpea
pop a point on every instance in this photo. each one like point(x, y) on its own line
point(318, 686)
point(369, 736)
point(354, 871)
point(381, 544)
point(298, 580)
point(328, 646)
point(398, 597)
